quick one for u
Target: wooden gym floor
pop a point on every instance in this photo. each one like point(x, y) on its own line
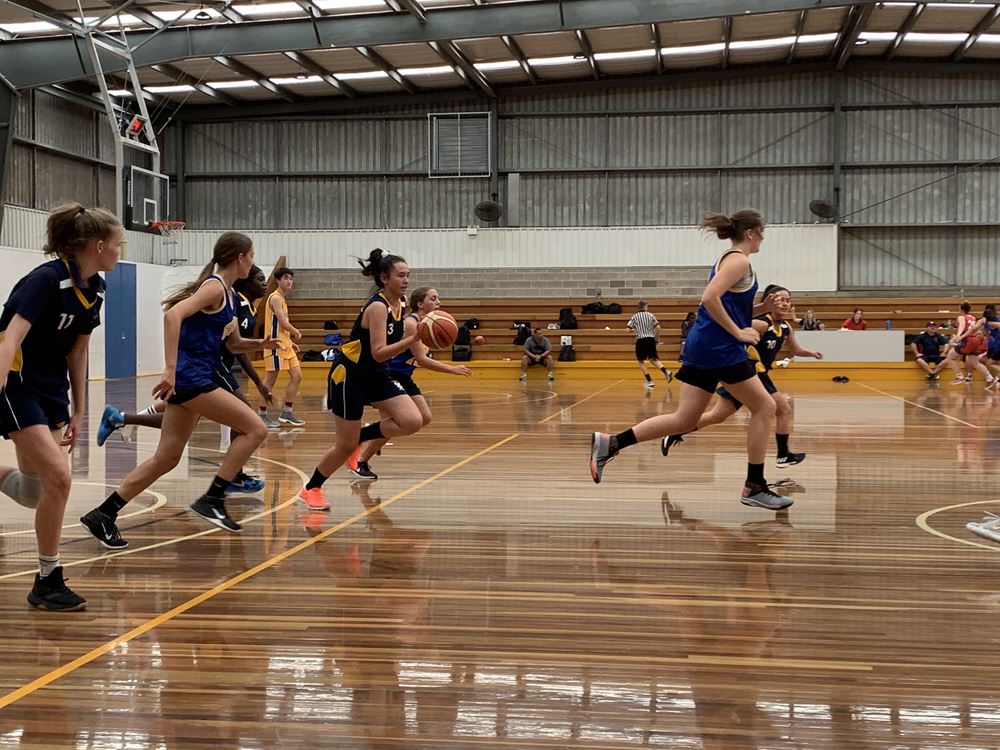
point(486, 594)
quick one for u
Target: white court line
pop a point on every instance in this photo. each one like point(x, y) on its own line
point(920, 406)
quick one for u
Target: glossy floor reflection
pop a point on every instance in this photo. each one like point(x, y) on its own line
point(508, 602)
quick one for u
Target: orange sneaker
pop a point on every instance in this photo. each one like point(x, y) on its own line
point(314, 499)
point(353, 459)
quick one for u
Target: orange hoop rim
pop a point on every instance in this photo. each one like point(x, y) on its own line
point(170, 226)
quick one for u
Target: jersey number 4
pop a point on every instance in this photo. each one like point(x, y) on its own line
point(65, 321)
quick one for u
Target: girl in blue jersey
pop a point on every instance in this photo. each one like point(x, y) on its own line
point(716, 351)
point(45, 330)
point(422, 301)
point(200, 320)
point(360, 375)
point(774, 331)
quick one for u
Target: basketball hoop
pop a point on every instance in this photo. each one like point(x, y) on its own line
point(168, 230)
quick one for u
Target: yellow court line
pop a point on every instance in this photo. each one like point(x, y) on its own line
point(145, 627)
point(582, 400)
point(159, 501)
point(922, 523)
point(920, 406)
point(179, 539)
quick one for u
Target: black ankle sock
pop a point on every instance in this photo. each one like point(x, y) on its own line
point(623, 440)
point(217, 490)
point(371, 432)
point(112, 505)
point(755, 474)
point(648, 379)
point(782, 441)
point(663, 370)
point(317, 480)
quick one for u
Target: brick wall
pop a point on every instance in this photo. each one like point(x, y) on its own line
point(543, 283)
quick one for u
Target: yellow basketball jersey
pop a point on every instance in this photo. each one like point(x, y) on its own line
point(273, 330)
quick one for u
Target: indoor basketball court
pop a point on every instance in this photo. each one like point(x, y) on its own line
point(535, 169)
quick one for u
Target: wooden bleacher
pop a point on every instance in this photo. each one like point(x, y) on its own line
point(605, 337)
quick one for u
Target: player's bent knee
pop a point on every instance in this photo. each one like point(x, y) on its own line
point(56, 483)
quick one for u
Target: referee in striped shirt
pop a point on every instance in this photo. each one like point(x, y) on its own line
point(647, 332)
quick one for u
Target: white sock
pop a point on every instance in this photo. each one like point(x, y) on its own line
point(46, 564)
point(149, 410)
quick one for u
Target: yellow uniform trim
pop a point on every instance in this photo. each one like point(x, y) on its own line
point(79, 295)
point(16, 363)
point(352, 350)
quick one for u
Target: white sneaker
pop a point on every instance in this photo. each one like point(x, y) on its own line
point(523, 378)
point(649, 384)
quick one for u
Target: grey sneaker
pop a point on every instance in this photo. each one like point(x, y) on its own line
point(763, 497)
point(288, 417)
point(552, 376)
point(600, 454)
point(271, 424)
point(523, 377)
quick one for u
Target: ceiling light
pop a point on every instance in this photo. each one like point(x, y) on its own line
point(634, 54)
point(362, 76)
point(498, 65)
point(860, 42)
point(694, 49)
point(175, 89)
point(436, 70)
point(232, 84)
point(202, 15)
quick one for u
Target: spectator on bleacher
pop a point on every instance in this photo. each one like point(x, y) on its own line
point(856, 322)
point(537, 351)
point(811, 323)
point(685, 327)
point(927, 347)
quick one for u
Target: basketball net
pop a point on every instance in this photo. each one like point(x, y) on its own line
point(168, 230)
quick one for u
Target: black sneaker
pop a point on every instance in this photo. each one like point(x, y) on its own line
point(104, 529)
point(790, 460)
point(53, 594)
point(214, 511)
point(761, 496)
point(669, 442)
point(364, 472)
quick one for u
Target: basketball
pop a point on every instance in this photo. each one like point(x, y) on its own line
point(480, 340)
point(438, 330)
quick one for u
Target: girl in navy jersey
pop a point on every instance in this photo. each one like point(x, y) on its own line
point(716, 351)
point(45, 330)
point(360, 375)
point(200, 320)
point(774, 331)
point(422, 301)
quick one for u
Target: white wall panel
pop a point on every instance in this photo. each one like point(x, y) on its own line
point(802, 257)
point(151, 286)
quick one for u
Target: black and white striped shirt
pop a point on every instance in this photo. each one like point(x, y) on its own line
point(643, 323)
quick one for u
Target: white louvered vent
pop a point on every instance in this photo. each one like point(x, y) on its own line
point(460, 144)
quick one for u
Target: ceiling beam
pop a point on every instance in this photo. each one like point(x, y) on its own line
point(800, 26)
point(727, 35)
point(311, 8)
point(409, 6)
point(179, 76)
point(39, 61)
point(581, 38)
point(255, 75)
point(468, 72)
point(981, 28)
point(311, 66)
point(658, 46)
point(849, 35)
point(911, 19)
point(515, 50)
point(382, 64)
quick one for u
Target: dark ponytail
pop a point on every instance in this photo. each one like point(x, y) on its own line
point(379, 262)
point(771, 289)
point(71, 227)
point(242, 286)
point(733, 227)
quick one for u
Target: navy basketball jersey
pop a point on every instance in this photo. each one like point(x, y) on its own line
point(246, 324)
point(358, 350)
point(404, 363)
point(709, 345)
point(202, 338)
point(766, 350)
point(60, 307)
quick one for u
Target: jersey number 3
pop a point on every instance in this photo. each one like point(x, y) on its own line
point(389, 330)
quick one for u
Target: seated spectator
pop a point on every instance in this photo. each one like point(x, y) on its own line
point(856, 322)
point(927, 346)
point(811, 323)
point(537, 351)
